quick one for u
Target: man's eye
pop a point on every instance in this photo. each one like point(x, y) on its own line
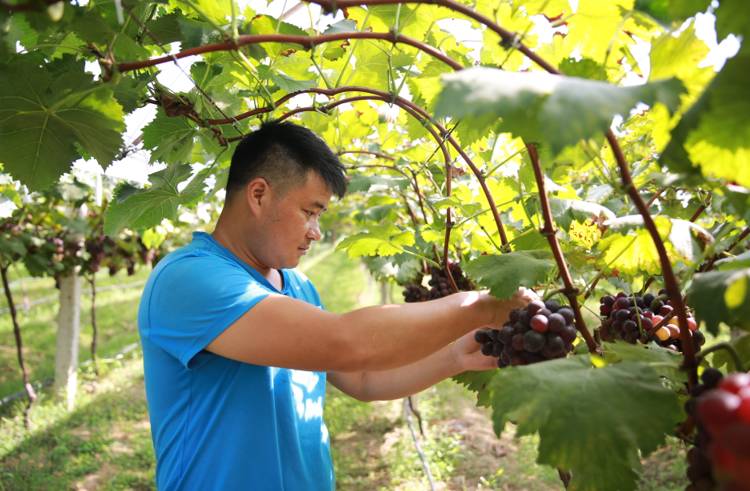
point(309, 213)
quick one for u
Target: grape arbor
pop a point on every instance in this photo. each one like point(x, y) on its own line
point(490, 145)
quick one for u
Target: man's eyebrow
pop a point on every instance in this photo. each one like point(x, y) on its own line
point(320, 205)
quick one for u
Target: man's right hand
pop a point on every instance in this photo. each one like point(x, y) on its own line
point(520, 299)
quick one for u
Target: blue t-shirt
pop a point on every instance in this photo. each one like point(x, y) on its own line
point(218, 423)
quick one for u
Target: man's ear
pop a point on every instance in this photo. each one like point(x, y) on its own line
point(257, 193)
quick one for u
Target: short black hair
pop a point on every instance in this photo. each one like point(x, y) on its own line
point(283, 153)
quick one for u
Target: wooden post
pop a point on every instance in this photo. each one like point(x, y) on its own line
point(68, 333)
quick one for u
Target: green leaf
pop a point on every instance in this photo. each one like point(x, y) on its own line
point(721, 296)
point(170, 139)
point(385, 240)
point(732, 18)
point(144, 208)
point(283, 81)
point(681, 57)
point(714, 135)
point(371, 184)
point(741, 345)
point(504, 273)
point(345, 25)
point(736, 262)
point(671, 10)
point(665, 362)
point(43, 117)
point(478, 382)
point(595, 422)
point(165, 29)
point(583, 68)
point(538, 106)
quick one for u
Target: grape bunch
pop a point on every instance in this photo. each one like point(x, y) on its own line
point(644, 318)
point(440, 285)
point(95, 247)
point(416, 293)
point(720, 406)
point(540, 331)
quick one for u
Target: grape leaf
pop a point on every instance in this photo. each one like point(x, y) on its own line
point(478, 382)
point(371, 184)
point(384, 240)
point(170, 139)
point(741, 345)
point(667, 11)
point(665, 362)
point(714, 135)
point(537, 106)
point(721, 296)
point(46, 112)
point(735, 262)
point(144, 208)
point(577, 409)
point(681, 57)
point(732, 18)
point(504, 273)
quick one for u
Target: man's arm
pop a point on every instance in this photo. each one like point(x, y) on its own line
point(462, 355)
point(284, 332)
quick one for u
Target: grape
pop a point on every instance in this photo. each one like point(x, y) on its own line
point(556, 322)
point(533, 341)
point(711, 378)
point(534, 306)
point(552, 305)
point(482, 336)
point(662, 333)
point(568, 334)
point(545, 312)
point(735, 438)
point(734, 382)
point(568, 314)
point(556, 345)
point(539, 323)
point(648, 298)
point(622, 315)
point(622, 303)
point(487, 349)
point(517, 342)
point(656, 304)
point(505, 334)
point(698, 339)
point(716, 409)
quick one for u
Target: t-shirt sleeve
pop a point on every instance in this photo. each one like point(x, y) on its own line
point(194, 299)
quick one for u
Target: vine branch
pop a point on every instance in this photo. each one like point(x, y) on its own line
point(548, 230)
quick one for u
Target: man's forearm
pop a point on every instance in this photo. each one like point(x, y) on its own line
point(391, 336)
point(400, 382)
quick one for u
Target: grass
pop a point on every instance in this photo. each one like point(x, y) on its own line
point(105, 442)
point(117, 305)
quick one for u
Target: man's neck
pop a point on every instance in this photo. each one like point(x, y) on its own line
point(239, 249)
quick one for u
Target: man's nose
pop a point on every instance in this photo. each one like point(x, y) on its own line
point(313, 232)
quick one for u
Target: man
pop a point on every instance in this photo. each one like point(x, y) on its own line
point(237, 348)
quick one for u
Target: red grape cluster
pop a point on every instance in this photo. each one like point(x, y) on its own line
point(439, 285)
point(644, 318)
point(540, 331)
point(720, 407)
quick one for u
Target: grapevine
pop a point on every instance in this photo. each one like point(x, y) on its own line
point(568, 184)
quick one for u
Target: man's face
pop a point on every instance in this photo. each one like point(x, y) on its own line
point(293, 222)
